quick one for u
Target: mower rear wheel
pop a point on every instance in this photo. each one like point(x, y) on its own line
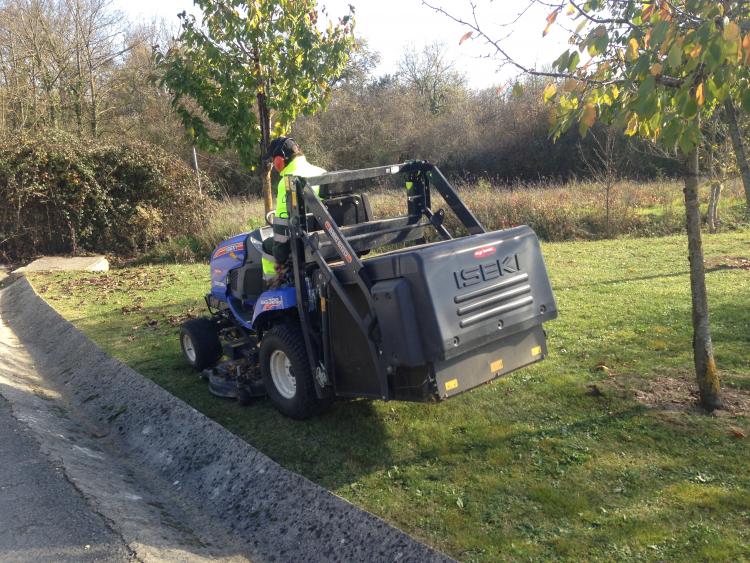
point(200, 343)
point(286, 372)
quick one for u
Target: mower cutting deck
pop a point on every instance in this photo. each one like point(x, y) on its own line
point(421, 323)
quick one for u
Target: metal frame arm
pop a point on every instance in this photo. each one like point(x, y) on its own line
point(453, 200)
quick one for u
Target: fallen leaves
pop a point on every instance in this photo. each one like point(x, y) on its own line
point(727, 263)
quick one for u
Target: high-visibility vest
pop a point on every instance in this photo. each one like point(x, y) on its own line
point(297, 167)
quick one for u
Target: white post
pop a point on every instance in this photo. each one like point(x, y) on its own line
point(197, 171)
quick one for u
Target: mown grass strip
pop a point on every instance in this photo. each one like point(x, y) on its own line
point(557, 461)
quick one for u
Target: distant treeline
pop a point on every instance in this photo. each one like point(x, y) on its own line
point(488, 133)
point(79, 67)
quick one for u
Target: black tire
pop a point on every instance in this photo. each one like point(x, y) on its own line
point(202, 336)
point(304, 403)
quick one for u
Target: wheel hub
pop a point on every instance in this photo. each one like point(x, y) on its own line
point(281, 374)
point(187, 346)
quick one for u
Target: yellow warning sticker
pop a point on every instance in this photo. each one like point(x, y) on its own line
point(451, 385)
point(496, 366)
point(536, 351)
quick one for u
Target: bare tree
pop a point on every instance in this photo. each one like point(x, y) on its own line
point(431, 73)
point(58, 59)
point(603, 164)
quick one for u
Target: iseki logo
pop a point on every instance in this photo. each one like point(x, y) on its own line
point(486, 271)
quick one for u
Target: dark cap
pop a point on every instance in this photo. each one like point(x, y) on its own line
point(282, 146)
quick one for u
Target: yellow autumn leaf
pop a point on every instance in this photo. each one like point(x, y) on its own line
point(696, 51)
point(589, 115)
point(656, 69)
point(632, 48)
point(699, 95)
point(632, 127)
point(550, 91)
point(550, 20)
point(731, 31)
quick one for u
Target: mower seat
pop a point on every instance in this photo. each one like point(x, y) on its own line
point(246, 282)
point(346, 210)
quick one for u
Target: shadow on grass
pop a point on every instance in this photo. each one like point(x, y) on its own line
point(622, 280)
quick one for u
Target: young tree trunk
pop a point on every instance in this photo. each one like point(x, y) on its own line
point(739, 148)
point(265, 142)
point(713, 206)
point(267, 187)
point(703, 355)
point(264, 119)
point(606, 223)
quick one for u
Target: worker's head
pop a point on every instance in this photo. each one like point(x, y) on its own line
point(282, 151)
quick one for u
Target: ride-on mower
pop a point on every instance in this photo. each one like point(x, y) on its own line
point(437, 316)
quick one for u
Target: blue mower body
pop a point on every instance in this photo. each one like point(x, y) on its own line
point(237, 280)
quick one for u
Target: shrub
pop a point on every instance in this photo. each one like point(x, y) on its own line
point(224, 218)
point(64, 195)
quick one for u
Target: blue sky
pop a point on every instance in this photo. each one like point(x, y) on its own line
point(390, 26)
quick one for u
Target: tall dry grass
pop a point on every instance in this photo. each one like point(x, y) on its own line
point(573, 211)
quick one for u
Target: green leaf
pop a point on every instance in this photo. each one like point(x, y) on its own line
point(674, 58)
point(689, 138)
point(561, 63)
point(573, 62)
point(646, 87)
point(658, 34)
point(690, 109)
point(745, 100)
point(715, 54)
point(672, 131)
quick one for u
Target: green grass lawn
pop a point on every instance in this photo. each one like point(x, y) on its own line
point(563, 460)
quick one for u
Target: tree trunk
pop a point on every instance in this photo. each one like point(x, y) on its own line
point(713, 206)
point(265, 142)
point(267, 188)
point(739, 148)
point(264, 119)
point(703, 355)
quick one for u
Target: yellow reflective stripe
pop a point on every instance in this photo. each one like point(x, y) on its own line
point(269, 266)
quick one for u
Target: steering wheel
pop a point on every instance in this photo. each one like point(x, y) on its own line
point(270, 217)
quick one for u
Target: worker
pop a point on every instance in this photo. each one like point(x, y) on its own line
point(288, 160)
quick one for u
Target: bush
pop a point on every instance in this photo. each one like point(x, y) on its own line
point(224, 218)
point(64, 195)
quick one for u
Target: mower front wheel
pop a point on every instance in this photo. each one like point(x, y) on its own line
point(200, 343)
point(286, 372)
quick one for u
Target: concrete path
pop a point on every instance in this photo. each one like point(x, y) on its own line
point(68, 492)
point(142, 475)
point(67, 264)
point(43, 517)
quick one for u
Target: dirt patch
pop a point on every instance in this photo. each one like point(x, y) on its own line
point(677, 391)
point(727, 263)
